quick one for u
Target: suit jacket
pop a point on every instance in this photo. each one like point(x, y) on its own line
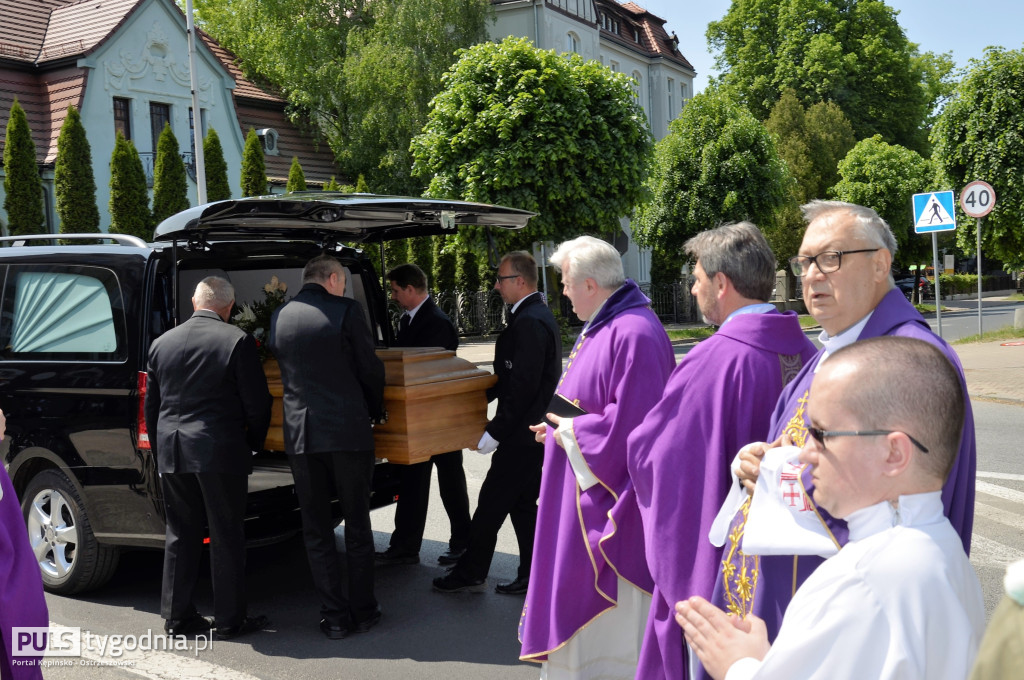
point(528, 362)
point(429, 328)
point(207, 403)
point(333, 380)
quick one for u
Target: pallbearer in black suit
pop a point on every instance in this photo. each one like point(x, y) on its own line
point(424, 325)
point(207, 409)
point(528, 362)
point(333, 386)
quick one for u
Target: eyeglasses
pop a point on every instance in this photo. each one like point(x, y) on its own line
point(499, 279)
point(828, 261)
point(819, 435)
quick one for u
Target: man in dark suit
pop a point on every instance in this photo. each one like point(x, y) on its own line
point(424, 325)
point(207, 409)
point(527, 361)
point(333, 386)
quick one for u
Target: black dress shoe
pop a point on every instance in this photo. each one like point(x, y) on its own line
point(450, 557)
point(365, 625)
point(249, 624)
point(389, 557)
point(193, 625)
point(456, 583)
point(517, 587)
point(332, 631)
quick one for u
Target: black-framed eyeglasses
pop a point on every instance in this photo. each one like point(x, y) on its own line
point(499, 279)
point(819, 435)
point(828, 261)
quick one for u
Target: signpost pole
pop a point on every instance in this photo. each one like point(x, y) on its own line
point(938, 296)
point(979, 275)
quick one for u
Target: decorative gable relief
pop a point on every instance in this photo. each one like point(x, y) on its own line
point(155, 60)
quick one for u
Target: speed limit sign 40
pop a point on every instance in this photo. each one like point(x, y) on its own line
point(978, 198)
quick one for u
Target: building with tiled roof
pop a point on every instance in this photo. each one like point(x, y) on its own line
point(624, 37)
point(124, 64)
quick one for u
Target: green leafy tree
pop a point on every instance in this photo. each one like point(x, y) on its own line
point(73, 183)
point(332, 185)
point(362, 72)
point(811, 141)
point(421, 252)
point(254, 167)
point(217, 187)
point(979, 136)
point(296, 177)
point(853, 53)
point(170, 187)
point(129, 196)
point(361, 187)
point(717, 164)
point(540, 131)
point(467, 266)
point(23, 190)
point(444, 264)
point(884, 176)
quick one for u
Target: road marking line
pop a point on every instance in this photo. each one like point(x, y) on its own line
point(1000, 475)
point(1004, 517)
point(160, 665)
point(986, 552)
point(999, 492)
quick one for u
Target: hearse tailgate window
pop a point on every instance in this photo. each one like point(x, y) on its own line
point(62, 313)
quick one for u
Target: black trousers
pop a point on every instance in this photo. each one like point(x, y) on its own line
point(510, 489)
point(318, 477)
point(414, 498)
point(219, 499)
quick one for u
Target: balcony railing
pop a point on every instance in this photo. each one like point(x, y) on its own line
point(149, 161)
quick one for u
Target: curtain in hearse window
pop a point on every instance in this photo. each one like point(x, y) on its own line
point(62, 314)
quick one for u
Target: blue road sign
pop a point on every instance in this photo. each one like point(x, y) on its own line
point(934, 212)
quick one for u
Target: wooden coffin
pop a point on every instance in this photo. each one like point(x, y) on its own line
point(436, 402)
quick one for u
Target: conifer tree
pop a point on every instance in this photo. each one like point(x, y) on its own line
point(444, 265)
point(170, 188)
point(296, 178)
point(23, 190)
point(129, 196)
point(254, 168)
point(467, 274)
point(73, 182)
point(361, 187)
point(217, 187)
point(332, 185)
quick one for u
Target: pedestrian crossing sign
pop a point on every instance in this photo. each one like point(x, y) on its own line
point(934, 212)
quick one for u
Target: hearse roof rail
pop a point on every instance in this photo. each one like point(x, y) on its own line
point(120, 239)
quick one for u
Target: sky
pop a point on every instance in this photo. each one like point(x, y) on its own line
point(963, 28)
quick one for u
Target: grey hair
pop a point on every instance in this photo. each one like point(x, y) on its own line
point(739, 251)
point(214, 292)
point(320, 268)
point(887, 369)
point(868, 222)
point(587, 257)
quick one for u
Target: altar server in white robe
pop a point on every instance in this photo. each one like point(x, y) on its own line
point(900, 600)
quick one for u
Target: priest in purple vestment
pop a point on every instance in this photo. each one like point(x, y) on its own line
point(21, 598)
point(720, 397)
point(845, 262)
point(589, 584)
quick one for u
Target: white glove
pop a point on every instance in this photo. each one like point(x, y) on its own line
point(487, 444)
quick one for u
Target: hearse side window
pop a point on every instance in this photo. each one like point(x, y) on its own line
point(62, 313)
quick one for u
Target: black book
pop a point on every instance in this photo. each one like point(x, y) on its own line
point(563, 408)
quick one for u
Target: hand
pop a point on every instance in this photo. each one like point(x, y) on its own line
point(540, 432)
point(719, 639)
point(3, 425)
point(487, 444)
point(557, 420)
point(750, 460)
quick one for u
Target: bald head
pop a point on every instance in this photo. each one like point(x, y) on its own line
point(904, 384)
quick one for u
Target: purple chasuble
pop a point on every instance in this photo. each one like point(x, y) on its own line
point(774, 579)
point(615, 373)
point(719, 398)
point(21, 598)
